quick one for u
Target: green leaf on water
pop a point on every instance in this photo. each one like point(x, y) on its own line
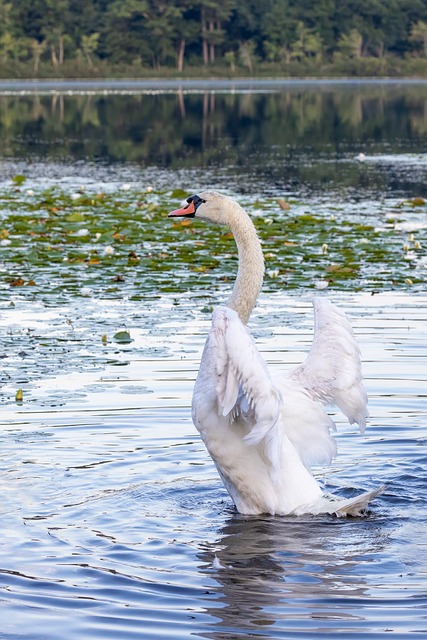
point(18, 179)
point(123, 337)
point(75, 217)
point(179, 194)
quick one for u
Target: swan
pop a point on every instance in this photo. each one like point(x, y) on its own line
point(265, 433)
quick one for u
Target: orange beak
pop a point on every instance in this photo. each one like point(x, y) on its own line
point(188, 211)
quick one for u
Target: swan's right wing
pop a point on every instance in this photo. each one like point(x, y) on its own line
point(332, 371)
point(243, 384)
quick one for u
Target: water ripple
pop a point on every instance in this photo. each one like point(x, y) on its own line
point(114, 519)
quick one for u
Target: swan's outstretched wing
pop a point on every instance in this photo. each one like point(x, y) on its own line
point(243, 384)
point(332, 371)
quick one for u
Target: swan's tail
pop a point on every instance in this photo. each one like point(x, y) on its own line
point(342, 507)
point(354, 506)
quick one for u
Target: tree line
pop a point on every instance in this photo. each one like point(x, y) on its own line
point(236, 35)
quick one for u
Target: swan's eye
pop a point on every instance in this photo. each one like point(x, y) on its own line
point(195, 200)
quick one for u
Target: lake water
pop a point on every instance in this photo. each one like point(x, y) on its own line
point(114, 521)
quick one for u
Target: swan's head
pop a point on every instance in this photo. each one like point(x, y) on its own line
point(209, 205)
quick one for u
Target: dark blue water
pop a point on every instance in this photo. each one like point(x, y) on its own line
point(114, 521)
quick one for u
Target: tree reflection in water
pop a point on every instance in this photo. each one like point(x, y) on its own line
point(298, 135)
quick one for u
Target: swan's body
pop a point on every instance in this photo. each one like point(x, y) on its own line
point(264, 434)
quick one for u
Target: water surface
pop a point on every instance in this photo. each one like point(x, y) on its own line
point(292, 137)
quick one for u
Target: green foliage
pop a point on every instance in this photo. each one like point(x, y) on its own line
point(60, 37)
point(419, 35)
point(350, 44)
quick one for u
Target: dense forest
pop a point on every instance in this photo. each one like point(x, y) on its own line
point(291, 37)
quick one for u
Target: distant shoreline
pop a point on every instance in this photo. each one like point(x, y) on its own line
point(148, 85)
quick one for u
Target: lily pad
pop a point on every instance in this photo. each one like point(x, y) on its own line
point(122, 337)
point(18, 179)
point(179, 194)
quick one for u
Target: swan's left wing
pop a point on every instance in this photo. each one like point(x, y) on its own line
point(243, 383)
point(332, 371)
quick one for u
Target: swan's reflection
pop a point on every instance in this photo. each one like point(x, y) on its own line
point(273, 569)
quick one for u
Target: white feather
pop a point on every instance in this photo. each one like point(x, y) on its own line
point(239, 366)
point(332, 371)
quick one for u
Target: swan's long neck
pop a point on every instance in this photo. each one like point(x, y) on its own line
point(251, 264)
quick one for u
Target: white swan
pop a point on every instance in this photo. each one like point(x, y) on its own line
point(264, 434)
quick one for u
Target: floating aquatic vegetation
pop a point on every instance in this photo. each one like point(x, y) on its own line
point(122, 337)
point(101, 260)
point(121, 243)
